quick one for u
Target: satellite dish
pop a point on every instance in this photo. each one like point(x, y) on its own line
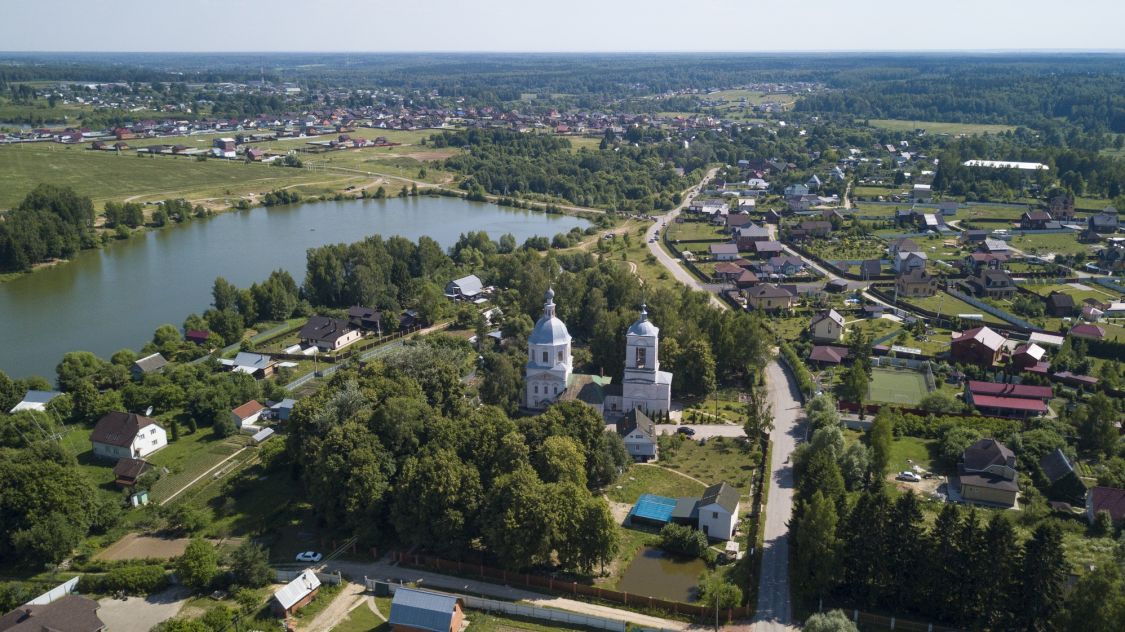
point(148, 411)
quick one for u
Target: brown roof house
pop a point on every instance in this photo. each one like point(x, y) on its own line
point(72, 613)
point(827, 327)
point(1108, 499)
point(916, 282)
point(996, 284)
point(328, 334)
point(987, 474)
point(980, 346)
point(120, 435)
point(768, 297)
point(296, 594)
point(1060, 304)
point(128, 471)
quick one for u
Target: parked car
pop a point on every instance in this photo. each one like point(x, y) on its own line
point(309, 556)
point(684, 430)
point(909, 477)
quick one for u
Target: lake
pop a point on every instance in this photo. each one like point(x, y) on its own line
point(113, 298)
point(654, 573)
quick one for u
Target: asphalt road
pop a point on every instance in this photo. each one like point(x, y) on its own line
point(774, 608)
point(668, 261)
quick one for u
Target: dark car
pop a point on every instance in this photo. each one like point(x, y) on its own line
point(684, 430)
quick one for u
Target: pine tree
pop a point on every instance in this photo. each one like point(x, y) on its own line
point(941, 574)
point(974, 570)
point(1003, 555)
point(864, 554)
point(904, 544)
point(817, 556)
point(1041, 579)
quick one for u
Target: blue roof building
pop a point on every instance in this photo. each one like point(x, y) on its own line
point(413, 609)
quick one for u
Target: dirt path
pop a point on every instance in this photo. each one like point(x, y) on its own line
point(668, 469)
point(197, 478)
point(350, 598)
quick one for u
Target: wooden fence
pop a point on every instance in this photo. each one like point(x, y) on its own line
point(512, 578)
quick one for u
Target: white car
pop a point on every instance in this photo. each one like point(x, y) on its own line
point(909, 477)
point(309, 556)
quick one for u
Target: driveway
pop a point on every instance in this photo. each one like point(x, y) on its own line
point(140, 614)
point(774, 608)
point(704, 431)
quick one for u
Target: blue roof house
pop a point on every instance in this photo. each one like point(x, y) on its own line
point(415, 610)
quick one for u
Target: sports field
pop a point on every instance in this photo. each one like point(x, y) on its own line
point(892, 386)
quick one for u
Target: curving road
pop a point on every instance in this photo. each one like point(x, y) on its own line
point(652, 236)
point(775, 613)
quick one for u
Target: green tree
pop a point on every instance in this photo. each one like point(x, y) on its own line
point(250, 565)
point(561, 460)
point(224, 294)
point(501, 383)
point(1042, 579)
point(817, 565)
point(831, 621)
point(697, 364)
point(198, 565)
point(881, 437)
point(75, 367)
point(437, 501)
point(517, 519)
point(1097, 428)
point(1097, 603)
point(717, 594)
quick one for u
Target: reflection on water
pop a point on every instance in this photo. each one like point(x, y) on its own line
point(655, 574)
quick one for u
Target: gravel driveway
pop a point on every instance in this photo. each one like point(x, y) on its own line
point(139, 614)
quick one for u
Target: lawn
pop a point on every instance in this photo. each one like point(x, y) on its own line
point(191, 455)
point(936, 127)
point(1080, 293)
point(753, 97)
point(906, 452)
point(718, 460)
point(896, 387)
point(695, 231)
point(99, 472)
point(651, 479)
point(106, 176)
point(947, 305)
point(1057, 243)
point(362, 619)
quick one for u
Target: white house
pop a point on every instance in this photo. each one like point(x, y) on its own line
point(468, 287)
point(907, 261)
point(248, 414)
point(828, 326)
point(127, 435)
point(548, 370)
point(639, 434)
point(328, 334)
point(718, 511)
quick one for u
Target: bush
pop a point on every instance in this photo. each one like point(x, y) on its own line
point(800, 373)
point(683, 540)
point(139, 579)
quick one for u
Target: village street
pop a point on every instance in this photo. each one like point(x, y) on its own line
point(652, 236)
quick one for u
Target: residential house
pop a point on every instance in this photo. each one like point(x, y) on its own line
point(980, 346)
point(1112, 258)
point(1008, 400)
point(1104, 222)
point(995, 246)
point(1061, 208)
point(281, 410)
point(223, 148)
point(870, 269)
point(1034, 220)
point(976, 261)
point(902, 244)
point(767, 249)
point(296, 594)
point(1108, 499)
point(916, 282)
point(746, 236)
point(987, 474)
point(366, 318)
point(148, 364)
point(995, 284)
point(718, 511)
point(414, 610)
point(1063, 482)
point(813, 183)
point(1088, 331)
point(724, 252)
point(737, 220)
point(815, 228)
point(787, 265)
point(254, 364)
point(801, 202)
point(922, 193)
point(827, 327)
point(1059, 304)
point(35, 400)
point(248, 414)
point(119, 434)
point(70, 613)
point(974, 236)
point(255, 155)
point(328, 334)
point(1078, 381)
point(197, 336)
point(128, 471)
point(768, 297)
point(907, 261)
point(466, 288)
point(948, 208)
point(1028, 356)
point(828, 355)
point(639, 434)
point(796, 190)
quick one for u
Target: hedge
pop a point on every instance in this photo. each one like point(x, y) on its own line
point(800, 371)
point(143, 579)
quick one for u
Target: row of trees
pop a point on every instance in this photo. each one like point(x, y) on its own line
point(50, 223)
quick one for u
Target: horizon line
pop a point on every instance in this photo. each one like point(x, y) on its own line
point(1026, 51)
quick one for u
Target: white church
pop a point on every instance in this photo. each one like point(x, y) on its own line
point(550, 376)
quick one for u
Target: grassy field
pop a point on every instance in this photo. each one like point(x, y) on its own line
point(1079, 294)
point(935, 127)
point(651, 479)
point(106, 176)
point(947, 305)
point(711, 463)
point(753, 97)
point(1057, 243)
point(695, 231)
point(896, 387)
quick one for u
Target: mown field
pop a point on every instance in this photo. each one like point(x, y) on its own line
point(105, 176)
point(935, 127)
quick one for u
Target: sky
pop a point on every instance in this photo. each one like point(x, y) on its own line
point(560, 25)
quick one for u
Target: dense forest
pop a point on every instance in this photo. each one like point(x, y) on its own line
point(51, 223)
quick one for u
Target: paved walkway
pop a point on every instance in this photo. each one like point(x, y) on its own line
point(774, 608)
point(357, 571)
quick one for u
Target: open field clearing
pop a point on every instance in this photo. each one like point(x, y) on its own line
point(935, 127)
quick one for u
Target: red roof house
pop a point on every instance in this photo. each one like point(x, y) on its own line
point(1108, 499)
point(980, 346)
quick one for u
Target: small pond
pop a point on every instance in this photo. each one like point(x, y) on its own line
point(654, 573)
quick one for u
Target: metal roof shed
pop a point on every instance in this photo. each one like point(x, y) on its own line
point(423, 610)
